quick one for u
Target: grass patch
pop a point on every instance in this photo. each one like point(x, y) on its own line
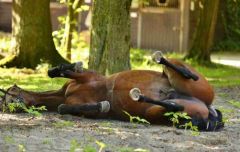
point(63, 124)
point(220, 75)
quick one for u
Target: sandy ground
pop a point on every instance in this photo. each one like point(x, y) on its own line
point(56, 133)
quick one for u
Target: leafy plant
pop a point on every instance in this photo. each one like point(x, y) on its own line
point(194, 129)
point(32, 110)
point(176, 116)
point(137, 119)
point(35, 110)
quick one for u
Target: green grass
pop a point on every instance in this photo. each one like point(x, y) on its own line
point(221, 75)
point(37, 80)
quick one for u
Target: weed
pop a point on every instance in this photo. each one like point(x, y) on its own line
point(21, 148)
point(137, 119)
point(63, 124)
point(46, 142)
point(9, 140)
point(101, 145)
point(89, 148)
point(175, 117)
point(194, 129)
point(235, 103)
point(74, 145)
point(32, 110)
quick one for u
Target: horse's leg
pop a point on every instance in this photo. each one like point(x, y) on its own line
point(93, 110)
point(58, 70)
point(180, 74)
point(197, 110)
point(83, 77)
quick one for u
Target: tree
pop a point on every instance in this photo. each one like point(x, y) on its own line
point(110, 36)
point(70, 24)
point(32, 35)
point(204, 34)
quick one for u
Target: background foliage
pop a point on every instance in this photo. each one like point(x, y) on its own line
point(229, 16)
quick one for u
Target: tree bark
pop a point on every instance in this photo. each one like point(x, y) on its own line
point(204, 34)
point(110, 36)
point(32, 35)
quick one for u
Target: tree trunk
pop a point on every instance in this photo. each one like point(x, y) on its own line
point(32, 35)
point(203, 38)
point(110, 36)
point(70, 25)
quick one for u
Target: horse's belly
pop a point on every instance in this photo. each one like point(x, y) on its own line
point(152, 84)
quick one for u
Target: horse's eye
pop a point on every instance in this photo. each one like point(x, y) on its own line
point(14, 89)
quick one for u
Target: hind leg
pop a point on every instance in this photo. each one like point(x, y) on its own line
point(200, 89)
point(180, 74)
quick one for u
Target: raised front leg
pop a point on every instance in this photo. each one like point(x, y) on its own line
point(94, 110)
point(136, 95)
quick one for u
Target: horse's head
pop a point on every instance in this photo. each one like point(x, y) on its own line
point(14, 94)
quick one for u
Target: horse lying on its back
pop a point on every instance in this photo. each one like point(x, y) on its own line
point(144, 93)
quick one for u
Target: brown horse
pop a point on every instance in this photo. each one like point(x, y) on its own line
point(143, 93)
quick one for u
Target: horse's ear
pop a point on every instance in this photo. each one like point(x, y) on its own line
point(15, 85)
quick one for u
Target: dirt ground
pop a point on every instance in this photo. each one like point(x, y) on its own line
point(59, 133)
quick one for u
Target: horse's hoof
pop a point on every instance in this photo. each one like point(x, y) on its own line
point(54, 72)
point(63, 109)
point(78, 67)
point(135, 94)
point(104, 106)
point(157, 56)
point(213, 111)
